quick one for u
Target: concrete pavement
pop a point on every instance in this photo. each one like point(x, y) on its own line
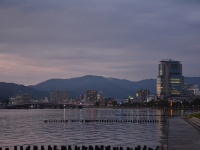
point(182, 135)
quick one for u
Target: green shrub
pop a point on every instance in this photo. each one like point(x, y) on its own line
point(194, 115)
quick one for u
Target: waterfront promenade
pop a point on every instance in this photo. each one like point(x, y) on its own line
point(182, 135)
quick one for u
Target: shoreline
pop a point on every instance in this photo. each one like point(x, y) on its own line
point(114, 107)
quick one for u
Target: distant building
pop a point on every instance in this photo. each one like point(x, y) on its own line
point(142, 95)
point(91, 96)
point(59, 96)
point(151, 98)
point(20, 99)
point(110, 101)
point(191, 90)
point(169, 80)
point(82, 98)
point(26, 98)
point(100, 98)
point(42, 100)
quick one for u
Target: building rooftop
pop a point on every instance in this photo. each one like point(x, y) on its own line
point(169, 60)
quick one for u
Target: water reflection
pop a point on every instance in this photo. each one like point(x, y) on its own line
point(171, 112)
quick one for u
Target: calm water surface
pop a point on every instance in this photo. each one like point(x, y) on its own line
point(27, 127)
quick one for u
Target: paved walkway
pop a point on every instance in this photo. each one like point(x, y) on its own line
point(182, 135)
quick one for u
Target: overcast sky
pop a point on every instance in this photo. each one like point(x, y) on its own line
point(125, 39)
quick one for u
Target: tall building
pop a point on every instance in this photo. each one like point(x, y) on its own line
point(100, 98)
point(91, 96)
point(59, 96)
point(169, 80)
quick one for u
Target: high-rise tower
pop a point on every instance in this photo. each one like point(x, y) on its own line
point(169, 79)
point(91, 96)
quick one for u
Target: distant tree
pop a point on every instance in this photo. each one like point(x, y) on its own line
point(185, 104)
point(105, 103)
point(151, 103)
point(97, 103)
point(4, 101)
point(163, 103)
point(196, 102)
point(114, 103)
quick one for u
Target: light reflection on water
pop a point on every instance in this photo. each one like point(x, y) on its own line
point(27, 127)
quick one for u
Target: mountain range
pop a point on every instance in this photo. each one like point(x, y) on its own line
point(112, 87)
point(11, 89)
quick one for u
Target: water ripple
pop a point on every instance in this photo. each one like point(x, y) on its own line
point(27, 127)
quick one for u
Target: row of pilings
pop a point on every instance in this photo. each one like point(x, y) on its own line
point(105, 121)
point(149, 115)
point(102, 147)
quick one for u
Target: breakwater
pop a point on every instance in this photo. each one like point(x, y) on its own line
point(96, 147)
point(106, 121)
point(146, 115)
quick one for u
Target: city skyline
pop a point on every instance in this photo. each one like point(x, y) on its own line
point(40, 40)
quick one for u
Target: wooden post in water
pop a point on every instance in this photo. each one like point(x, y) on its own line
point(108, 147)
point(114, 148)
point(96, 147)
point(42, 147)
point(139, 147)
point(28, 148)
point(90, 147)
point(21, 147)
point(69, 147)
point(35, 148)
point(75, 148)
point(102, 147)
point(145, 147)
point(49, 147)
point(83, 147)
point(6, 148)
point(55, 147)
point(63, 148)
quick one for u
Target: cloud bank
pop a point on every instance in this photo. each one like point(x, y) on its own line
point(112, 38)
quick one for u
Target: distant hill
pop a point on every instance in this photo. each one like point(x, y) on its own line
point(78, 86)
point(11, 89)
point(112, 87)
point(192, 80)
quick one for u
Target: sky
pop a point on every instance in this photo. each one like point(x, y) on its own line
point(125, 39)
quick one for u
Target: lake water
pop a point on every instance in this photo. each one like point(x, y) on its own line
point(27, 127)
